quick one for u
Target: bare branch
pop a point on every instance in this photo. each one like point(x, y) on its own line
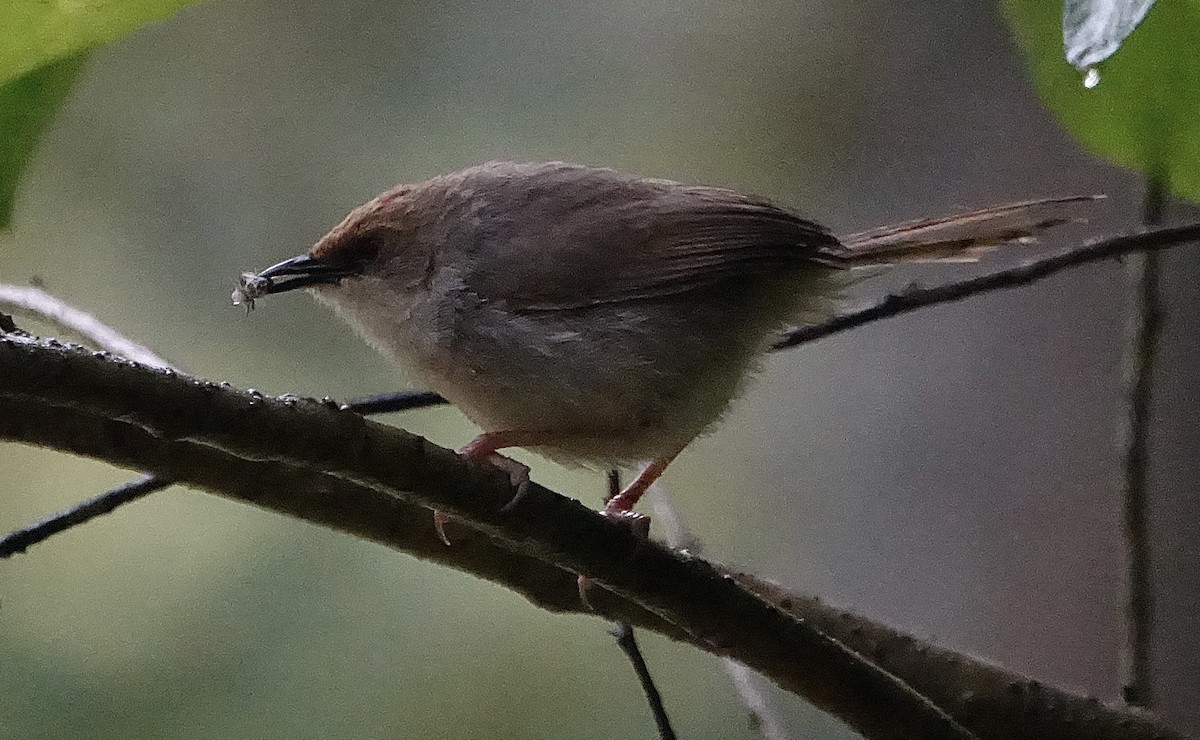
point(17, 541)
point(623, 631)
point(197, 432)
point(33, 301)
point(990, 700)
point(1145, 325)
point(30, 301)
point(745, 682)
point(333, 468)
point(914, 298)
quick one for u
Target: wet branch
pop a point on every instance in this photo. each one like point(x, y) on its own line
point(334, 468)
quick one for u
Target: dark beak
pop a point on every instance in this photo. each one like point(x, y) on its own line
point(298, 272)
point(303, 271)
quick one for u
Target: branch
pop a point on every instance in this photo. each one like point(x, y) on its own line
point(35, 302)
point(1145, 326)
point(990, 700)
point(309, 460)
point(915, 297)
point(623, 632)
point(745, 682)
point(235, 443)
point(30, 301)
point(17, 541)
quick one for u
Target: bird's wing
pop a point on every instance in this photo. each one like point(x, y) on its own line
point(565, 237)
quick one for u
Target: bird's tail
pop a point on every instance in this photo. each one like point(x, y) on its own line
point(964, 237)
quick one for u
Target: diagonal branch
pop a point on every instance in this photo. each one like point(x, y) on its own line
point(310, 460)
point(32, 301)
point(160, 421)
point(915, 297)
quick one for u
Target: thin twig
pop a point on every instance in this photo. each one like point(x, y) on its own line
point(31, 301)
point(628, 644)
point(1145, 326)
point(16, 542)
point(387, 403)
point(915, 297)
point(623, 631)
point(745, 681)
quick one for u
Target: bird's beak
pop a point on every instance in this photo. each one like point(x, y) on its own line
point(303, 271)
point(297, 272)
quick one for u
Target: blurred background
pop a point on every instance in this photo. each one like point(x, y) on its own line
point(951, 472)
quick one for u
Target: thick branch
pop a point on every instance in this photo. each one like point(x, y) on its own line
point(991, 701)
point(336, 469)
point(192, 431)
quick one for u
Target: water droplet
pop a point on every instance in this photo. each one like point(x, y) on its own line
point(1091, 78)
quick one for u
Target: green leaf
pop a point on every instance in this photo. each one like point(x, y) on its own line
point(34, 33)
point(42, 47)
point(1094, 29)
point(27, 105)
point(1144, 112)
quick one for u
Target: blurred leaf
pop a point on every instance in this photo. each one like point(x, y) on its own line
point(34, 33)
point(1144, 108)
point(42, 48)
point(27, 104)
point(1094, 29)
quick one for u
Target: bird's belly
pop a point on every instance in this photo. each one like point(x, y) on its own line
point(607, 388)
point(606, 385)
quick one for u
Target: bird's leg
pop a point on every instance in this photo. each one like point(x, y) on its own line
point(484, 447)
point(620, 508)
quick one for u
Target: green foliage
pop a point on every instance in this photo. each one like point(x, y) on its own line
point(42, 47)
point(34, 33)
point(27, 105)
point(1144, 112)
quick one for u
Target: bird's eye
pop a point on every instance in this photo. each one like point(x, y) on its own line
point(364, 249)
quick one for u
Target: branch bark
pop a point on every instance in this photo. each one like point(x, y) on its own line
point(194, 431)
point(312, 461)
point(915, 297)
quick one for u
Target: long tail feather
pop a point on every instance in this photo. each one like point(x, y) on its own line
point(964, 237)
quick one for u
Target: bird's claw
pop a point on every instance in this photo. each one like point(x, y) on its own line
point(637, 523)
point(439, 525)
point(518, 475)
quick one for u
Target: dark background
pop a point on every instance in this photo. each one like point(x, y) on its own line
point(952, 472)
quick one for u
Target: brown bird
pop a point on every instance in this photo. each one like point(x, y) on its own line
point(593, 316)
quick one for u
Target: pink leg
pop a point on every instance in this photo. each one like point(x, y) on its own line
point(622, 504)
point(620, 508)
point(484, 447)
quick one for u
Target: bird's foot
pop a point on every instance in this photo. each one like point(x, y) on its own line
point(637, 523)
point(484, 447)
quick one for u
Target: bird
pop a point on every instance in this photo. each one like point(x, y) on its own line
point(595, 317)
